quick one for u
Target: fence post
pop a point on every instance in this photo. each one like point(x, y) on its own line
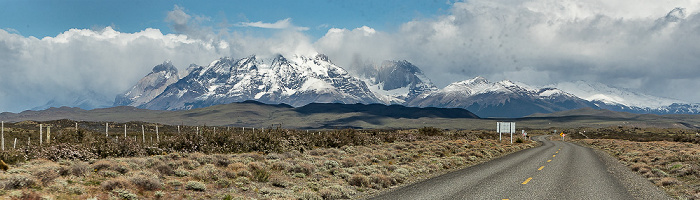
point(157, 135)
point(41, 134)
point(125, 131)
point(3, 135)
point(106, 129)
point(48, 134)
point(143, 134)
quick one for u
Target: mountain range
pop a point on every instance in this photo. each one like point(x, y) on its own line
point(300, 80)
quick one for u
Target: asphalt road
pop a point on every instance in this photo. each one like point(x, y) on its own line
point(555, 170)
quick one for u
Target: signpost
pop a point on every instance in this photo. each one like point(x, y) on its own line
point(505, 127)
point(562, 136)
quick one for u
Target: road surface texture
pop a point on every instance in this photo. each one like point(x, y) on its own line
point(555, 170)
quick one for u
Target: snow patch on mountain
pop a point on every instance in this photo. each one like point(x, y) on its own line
point(612, 95)
point(297, 81)
point(395, 82)
point(149, 86)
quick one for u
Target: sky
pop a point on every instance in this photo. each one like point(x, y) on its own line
point(67, 52)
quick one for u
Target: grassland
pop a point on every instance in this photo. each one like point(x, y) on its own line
point(669, 158)
point(261, 115)
point(232, 163)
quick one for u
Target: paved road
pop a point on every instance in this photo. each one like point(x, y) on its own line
point(555, 170)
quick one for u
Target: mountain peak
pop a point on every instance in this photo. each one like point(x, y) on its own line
point(167, 66)
point(473, 81)
point(322, 57)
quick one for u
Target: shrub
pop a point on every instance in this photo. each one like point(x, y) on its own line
point(207, 173)
point(261, 175)
point(18, 181)
point(108, 173)
point(666, 181)
point(196, 186)
point(306, 195)
point(113, 184)
point(181, 172)
point(102, 164)
point(359, 180)
point(164, 169)
point(159, 194)
point(76, 189)
point(518, 140)
point(79, 168)
point(46, 173)
point(430, 131)
point(125, 194)
point(223, 182)
point(146, 182)
point(279, 182)
point(382, 181)
point(330, 193)
point(305, 168)
point(236, 166)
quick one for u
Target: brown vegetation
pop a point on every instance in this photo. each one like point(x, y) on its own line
point(270, 164)
point(673, 166)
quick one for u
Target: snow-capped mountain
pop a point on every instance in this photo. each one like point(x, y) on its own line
point(500, 99)
point(149, 87)
point(617, 99)
point(598, 92)
point(299, 80)
point(296, 81)
point(87, 101)
point(396, 82)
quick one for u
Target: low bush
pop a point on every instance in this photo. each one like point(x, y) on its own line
point(196, 186)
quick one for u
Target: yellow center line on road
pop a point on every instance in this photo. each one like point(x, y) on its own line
point(540, 168)
point(556, 152)
point(549, 160)
point(554, 156)
point(528, 180)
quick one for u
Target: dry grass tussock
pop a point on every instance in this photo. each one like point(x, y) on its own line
point(348, 171)
point(673, 166)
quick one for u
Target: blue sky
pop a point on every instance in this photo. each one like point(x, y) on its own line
point(50, 17)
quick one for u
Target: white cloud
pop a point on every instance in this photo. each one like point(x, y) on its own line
point(78, 62)
point(281, 24)
point(640, 45)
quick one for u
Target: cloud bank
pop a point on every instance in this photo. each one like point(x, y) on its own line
point(644, 45)
point(281, 24)
point(648, 45)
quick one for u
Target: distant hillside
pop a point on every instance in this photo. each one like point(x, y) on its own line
point(256, 114)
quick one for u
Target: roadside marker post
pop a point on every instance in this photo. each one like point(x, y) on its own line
point(143, 134)
point(3, 135)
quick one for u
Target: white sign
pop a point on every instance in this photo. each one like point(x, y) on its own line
point(505, 127)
